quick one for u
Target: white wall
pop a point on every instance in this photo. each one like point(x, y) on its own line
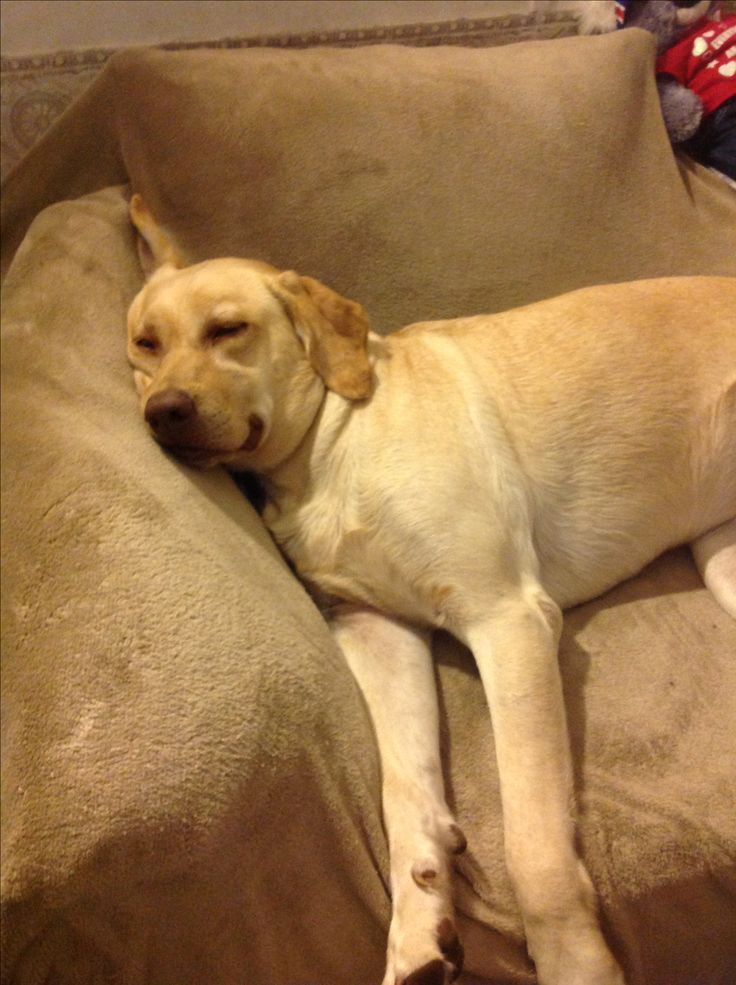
point(38, 26)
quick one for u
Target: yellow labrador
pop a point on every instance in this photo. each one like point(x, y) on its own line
point(478, 474)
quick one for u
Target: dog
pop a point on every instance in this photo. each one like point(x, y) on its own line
point(478, 474)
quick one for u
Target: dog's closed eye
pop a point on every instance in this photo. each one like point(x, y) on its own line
point(227, 330)
point(150, 345)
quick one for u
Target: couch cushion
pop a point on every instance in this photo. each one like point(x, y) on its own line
point(169, 756)
point(179, 727)
point(424, 182)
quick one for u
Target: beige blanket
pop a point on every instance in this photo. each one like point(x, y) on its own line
point(190, 784)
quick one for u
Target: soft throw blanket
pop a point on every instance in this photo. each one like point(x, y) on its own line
point(190, 786)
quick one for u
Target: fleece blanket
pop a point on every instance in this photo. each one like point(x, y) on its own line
point(190, 780)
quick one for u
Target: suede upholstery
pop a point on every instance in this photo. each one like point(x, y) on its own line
point(190, 782)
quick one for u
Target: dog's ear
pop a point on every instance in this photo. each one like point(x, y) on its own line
point(155, 247)
point(334, 332)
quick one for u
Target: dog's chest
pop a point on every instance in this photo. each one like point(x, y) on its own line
point(346, 550)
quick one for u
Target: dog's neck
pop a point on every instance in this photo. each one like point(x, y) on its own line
point(295, 478)
point(289, 482)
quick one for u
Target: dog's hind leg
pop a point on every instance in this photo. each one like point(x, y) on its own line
point(392, 665)
point(715, 556)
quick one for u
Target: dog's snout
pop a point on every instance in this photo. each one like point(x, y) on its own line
point(169, 409)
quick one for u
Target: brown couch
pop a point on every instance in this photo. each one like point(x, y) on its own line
point(190, 783)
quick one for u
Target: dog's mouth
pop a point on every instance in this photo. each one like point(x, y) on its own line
point(256, 427)
point(203, 455)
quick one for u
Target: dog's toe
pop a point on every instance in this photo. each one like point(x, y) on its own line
point(439, 971)
point(433, 973)
point(450, 946)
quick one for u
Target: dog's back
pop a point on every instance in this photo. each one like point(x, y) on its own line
point(620, 404)
point(604, 420)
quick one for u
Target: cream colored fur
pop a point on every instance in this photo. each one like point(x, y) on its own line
point(479, 475)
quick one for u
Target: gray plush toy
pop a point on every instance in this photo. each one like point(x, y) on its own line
point(696, 69)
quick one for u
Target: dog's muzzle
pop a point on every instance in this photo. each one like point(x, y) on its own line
point(169, 413)
point(174, 419)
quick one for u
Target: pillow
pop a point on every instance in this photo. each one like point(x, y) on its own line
point(425, 183)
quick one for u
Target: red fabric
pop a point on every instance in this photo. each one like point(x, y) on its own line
point(704, 60)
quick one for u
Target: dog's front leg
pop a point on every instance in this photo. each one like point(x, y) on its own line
point(392, 665)
point(516, 652)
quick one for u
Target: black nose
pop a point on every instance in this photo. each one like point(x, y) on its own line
point(169, 409)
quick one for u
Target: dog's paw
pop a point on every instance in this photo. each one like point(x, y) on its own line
point(442, 969)
point(423, 944)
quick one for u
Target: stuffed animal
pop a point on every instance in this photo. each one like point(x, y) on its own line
point(696, 70)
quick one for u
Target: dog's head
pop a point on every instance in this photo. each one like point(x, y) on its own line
point(231, 358)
